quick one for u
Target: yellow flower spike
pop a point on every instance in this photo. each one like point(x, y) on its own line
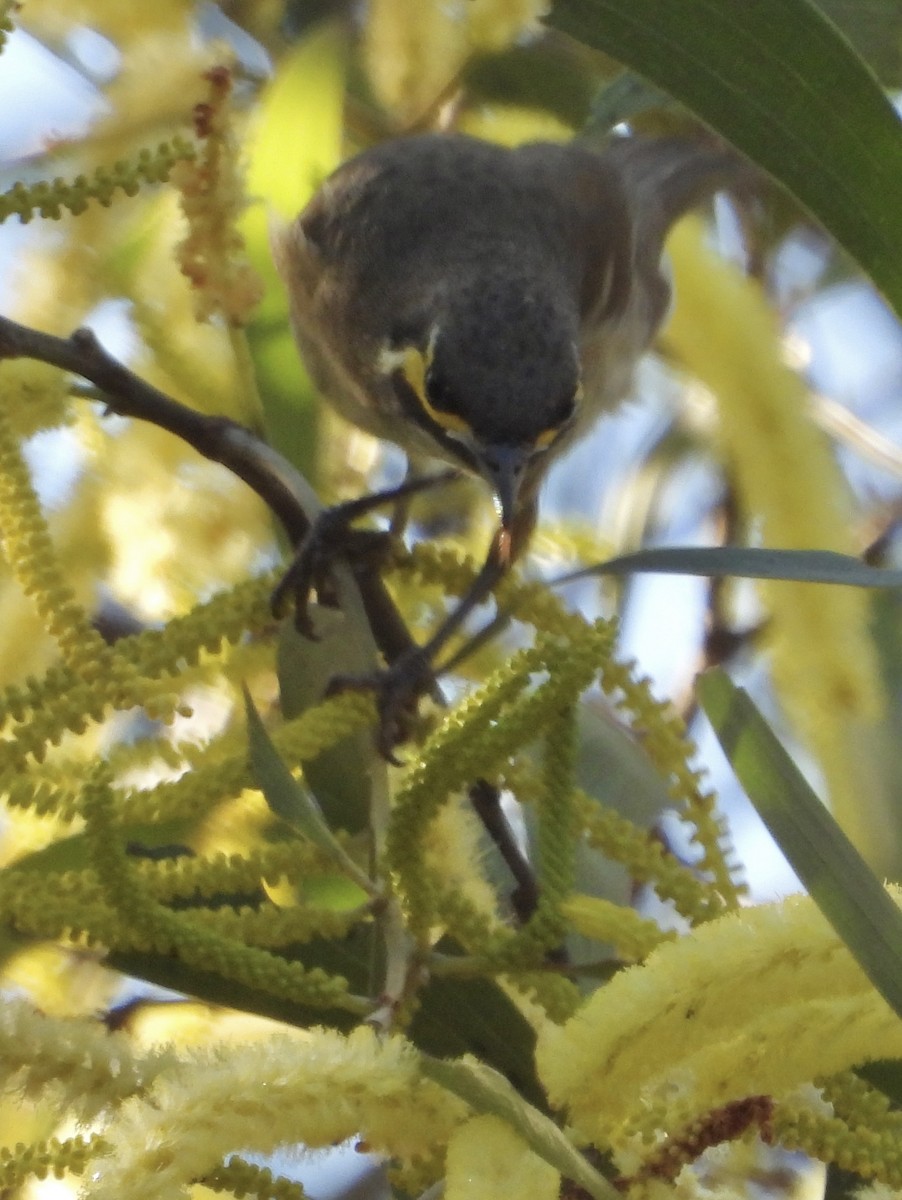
point(758, 1001)
point(189, 939)
point(531, 602)
point(647, 861)
point(663, 733)
point(242, 1178)
point(857, 1102)
point(557, 816)
point(274, 929)
point(556, 842)
point(211, 188)
point(72, 903)
point(319, 1090)
point(209, 628)
point(70, 906)
point(557, 996)
point(53, 1157)
point(97, 676)
point(451, 848)
point(51, 199)
point(486, 1159)
point(219, 771)
point(174, 878)
point(413, 50)
point(440, 769)
point(35, 396)
point(87, 1067)
point(321, 727)
point(824, 661)
point(632, 936)
point(668, 745)
point(475, 738)
point(29, 551)
point(871, 1152)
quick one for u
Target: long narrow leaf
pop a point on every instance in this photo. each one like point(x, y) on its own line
point(487, 1091)
point(779, 81)
point(292, 802)
point(747, 562)
point(839, 881)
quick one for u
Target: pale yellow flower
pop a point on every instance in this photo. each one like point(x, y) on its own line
point(756, 1002)
point(486, 1159)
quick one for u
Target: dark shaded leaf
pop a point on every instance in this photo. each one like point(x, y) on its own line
point(289, 799)
point(874, 27)
point(885, 1074)
point(780, 82)
point(340, 777)
point(455, 1017)
point(490, 1093)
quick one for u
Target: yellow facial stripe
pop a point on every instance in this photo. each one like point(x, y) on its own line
point(414, 365)
point(547, 436)
point(450, 422)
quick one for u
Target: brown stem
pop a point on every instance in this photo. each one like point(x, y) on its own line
point(216, 438)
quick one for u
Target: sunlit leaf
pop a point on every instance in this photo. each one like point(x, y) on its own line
point(839, 881)
point(747, 562)
point(295, 142)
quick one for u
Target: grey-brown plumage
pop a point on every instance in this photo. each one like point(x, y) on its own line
point(528, 282)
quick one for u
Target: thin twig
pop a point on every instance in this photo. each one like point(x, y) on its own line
point(218, 439)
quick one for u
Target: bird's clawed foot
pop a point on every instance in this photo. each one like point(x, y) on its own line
point(398, 691)
point(330, 537)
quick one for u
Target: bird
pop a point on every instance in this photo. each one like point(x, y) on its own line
point(484, 306)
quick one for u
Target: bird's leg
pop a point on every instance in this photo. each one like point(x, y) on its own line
point(399, 687)
point(401, 512)
point(332, 534)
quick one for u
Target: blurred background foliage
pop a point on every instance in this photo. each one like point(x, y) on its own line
point(145, 529)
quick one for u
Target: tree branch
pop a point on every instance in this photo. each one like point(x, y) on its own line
point(218, 439)
point(282, 488)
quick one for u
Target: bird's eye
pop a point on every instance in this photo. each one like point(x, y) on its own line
point(567, 405)
point(561, 415)
point(441, 396)
point(438, 400)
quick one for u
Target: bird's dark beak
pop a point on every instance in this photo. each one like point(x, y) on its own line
point(506, 467)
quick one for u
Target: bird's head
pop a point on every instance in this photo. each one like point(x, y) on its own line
point(491, 374)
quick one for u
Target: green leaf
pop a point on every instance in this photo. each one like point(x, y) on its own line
point(347, 957)
point(458, 1016)
point(488, 1092)
point(839, 881)
point(781, 83)
point(625, 98)
point(341, 778)
point(292, 802)
point(874, 27)
point(747, 562)
point(455, 1016)
point(885, 1074)
point(294, 143)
